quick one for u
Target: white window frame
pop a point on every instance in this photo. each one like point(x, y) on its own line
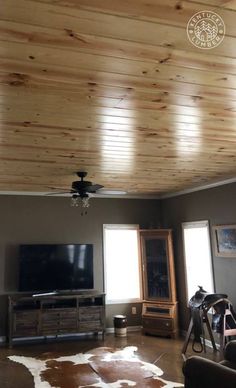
point(128, 227)
point(196, 224)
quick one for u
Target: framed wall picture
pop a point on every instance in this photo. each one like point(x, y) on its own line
point(225, 240)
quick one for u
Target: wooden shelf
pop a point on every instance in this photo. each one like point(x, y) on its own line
point(35, 316)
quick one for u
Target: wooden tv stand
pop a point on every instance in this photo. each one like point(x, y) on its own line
point(56, 314)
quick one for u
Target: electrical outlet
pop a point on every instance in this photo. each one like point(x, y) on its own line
point(134, 310)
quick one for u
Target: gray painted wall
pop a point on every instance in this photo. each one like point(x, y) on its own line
point(29, 219)
point(218, 206)
point(26, 219)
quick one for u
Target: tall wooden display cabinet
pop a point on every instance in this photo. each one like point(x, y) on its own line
point(159, 312)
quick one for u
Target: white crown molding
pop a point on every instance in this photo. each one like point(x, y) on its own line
point(129, 195)
point(120, 196)
point(198, 188)
point(34, 193)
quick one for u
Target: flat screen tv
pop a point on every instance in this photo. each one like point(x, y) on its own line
point(55, 267)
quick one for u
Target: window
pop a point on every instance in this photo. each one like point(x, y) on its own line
point(122, 263)
point(198, 262)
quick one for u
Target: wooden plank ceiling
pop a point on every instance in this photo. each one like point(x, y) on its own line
point(116, 89)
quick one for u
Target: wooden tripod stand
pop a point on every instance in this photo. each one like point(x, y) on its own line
point(228, 326)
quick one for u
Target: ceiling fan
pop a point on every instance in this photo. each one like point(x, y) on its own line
point(83, 187)
point(82, 190)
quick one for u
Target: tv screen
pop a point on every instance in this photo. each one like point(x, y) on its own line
point(51, 267)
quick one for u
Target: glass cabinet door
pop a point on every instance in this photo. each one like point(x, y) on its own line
point(156, 269)
point(158, 265)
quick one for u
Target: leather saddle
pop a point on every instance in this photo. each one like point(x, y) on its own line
point(202, 300)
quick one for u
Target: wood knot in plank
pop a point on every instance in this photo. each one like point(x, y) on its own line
point(164, 60)
point(197, 98)
point(74, 35)
point(179, 5)
point(17, 79)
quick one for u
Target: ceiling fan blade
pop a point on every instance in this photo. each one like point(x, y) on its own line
point(60, 192)
point(113, 192)
point(93, 188)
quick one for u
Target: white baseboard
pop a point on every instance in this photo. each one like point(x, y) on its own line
point(3, 339)
point(129, 328)
point(208, 343)
point(108, 330)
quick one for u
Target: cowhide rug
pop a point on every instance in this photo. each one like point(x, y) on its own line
point(101, 368)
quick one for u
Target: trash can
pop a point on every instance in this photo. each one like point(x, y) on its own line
point(120, 325)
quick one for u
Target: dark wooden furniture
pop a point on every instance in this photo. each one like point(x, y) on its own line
point(46, 315)
point(159, 312)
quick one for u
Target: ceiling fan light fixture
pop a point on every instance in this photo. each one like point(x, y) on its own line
point(80, 200)
point(85, 201)
point(75, 200)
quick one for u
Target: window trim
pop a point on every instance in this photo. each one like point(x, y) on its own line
point(127, 227)
point(192, 225)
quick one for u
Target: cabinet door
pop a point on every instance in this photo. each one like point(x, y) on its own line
point(156, 257)
point(25, 323)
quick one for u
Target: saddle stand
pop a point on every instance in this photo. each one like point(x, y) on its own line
point(223, 321)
